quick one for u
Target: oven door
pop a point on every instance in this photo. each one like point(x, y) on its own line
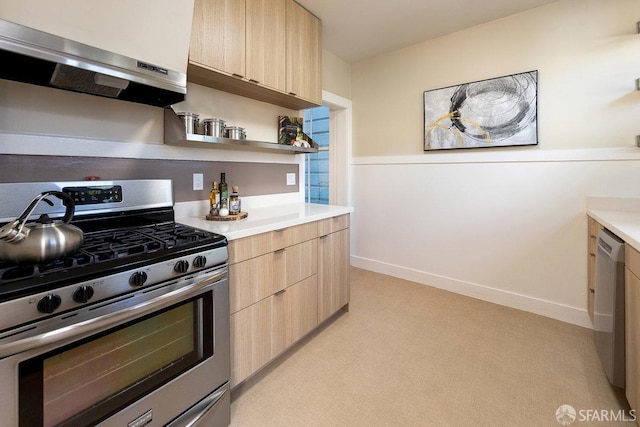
point(147, 357)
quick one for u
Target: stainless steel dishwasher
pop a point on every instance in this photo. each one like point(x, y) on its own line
point(608, 320)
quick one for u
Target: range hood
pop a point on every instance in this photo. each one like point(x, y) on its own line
point(31, 56)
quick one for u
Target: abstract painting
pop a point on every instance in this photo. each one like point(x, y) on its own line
point(496, 112)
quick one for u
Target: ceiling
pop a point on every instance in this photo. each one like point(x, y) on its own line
point(357, 29)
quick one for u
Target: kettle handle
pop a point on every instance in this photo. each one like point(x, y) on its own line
point(67, 201)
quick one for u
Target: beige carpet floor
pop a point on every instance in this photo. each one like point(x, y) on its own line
point(411, 355)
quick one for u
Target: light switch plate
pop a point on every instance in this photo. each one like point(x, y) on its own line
point(198, 181)
point(291, 179)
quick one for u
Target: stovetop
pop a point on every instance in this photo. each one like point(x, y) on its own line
point(128, 232)
point(107, 252)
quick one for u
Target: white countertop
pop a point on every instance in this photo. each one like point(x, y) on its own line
point(265, 219)
point(619, 215)
point(625, 225)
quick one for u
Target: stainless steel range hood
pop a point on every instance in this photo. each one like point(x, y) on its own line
point(31, 56)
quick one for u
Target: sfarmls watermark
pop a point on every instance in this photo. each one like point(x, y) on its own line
point(567, 415)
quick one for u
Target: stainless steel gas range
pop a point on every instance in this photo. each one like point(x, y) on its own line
point(132, 329)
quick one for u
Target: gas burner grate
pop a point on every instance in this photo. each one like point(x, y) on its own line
point(111, 245)
point(173, 234)
point(10, 272)
point(120, 244)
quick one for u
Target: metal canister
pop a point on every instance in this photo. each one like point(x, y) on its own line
point(235, 132)
point(213, 127)
point(190, 121)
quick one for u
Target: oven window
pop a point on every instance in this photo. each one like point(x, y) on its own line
point(86, 382)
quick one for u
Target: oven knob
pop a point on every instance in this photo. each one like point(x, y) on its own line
point(83, 294)
point(181, 266)
point(200, 261)
point(138, 278)
point(49, 303)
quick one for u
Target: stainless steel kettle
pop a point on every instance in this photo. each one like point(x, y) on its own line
point(43, 240)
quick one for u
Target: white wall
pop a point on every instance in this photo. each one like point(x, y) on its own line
point(506, 225)
point(336, 75)
point(40, 120)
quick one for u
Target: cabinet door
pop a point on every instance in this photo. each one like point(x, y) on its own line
point(250, 339)
point(218, 35)
point(333, 273)
point(632, 339)
point(295, 313)
point(265, 50)
point(304, 53)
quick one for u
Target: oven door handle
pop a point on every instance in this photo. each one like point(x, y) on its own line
point(108, 320)
point(191, 417)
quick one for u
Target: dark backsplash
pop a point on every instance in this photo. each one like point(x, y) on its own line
point(252, 178)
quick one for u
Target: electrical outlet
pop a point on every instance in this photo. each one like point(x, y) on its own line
point(291, 179)
point(198, 181)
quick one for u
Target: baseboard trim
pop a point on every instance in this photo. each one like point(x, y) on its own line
point(564, 313)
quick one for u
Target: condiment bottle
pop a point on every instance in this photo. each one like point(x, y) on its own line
point(224, 189)
point(224, 210)
point(234, 201)
point(214, 198)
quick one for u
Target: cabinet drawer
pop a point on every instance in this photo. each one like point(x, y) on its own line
point(253, 280)
point(632, 259)
point(301, 261)
point(594, 227)
point(331, 225)
point(257, 278)
point(249, 247)
point(293, 235)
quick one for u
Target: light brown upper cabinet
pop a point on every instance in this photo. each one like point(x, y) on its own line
point(266, 43)
point(269, 50)
point(304, 53)
point(218, 35)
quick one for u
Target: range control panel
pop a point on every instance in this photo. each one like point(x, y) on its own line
point(90, 195)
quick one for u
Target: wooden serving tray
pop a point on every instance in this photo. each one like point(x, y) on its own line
point(230, 217)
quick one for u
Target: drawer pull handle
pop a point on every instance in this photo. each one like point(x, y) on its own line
point(279, 251)
point(280, 292)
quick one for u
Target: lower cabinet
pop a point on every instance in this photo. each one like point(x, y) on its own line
point(594, 228)
point(333, 273)
point(250, 339)
point(282, 284)
point(295, 313)
point(632, 327)
point(265, 329)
